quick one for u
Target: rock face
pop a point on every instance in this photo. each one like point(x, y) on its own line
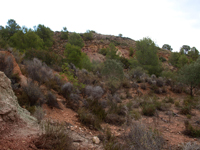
point(10, 111)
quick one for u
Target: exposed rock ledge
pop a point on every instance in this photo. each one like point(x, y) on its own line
point(10, 111)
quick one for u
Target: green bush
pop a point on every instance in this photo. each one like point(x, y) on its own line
point(112, 52)
point(115, 119)
point(64, 34)
point(27, 40)
point(136, 72)
point(76, 40)
point(148, 109)
point(131, 51)
point(113, 69)
point(73, 54)
point(46, 34)
point(173, 58)
point(50, 58)
point(146, 53)
point(162, 59)
point(125, 62)
point(185, 110)
point(88, 35)
point(103, 51)
point(96, 109)
point(182, 61)
point(169, 100)
point(191, 131)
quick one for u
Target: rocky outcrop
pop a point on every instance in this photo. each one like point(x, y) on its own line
point(10, 111)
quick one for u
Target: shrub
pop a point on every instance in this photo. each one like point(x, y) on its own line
point(190, 146)
point(95, 92)
point(27, 40)
point(162, 59)
point(156, 89)
point(135, 114)
point(116, 98)
point(126, 83)
point(146, 53)
point(140, 138)
point(88, 36)
point(177, 104)
point(73, 101)
point(112, 69)
point(76, 40)
point(160, 82)
point(143, 86)
point(64, 34)
point(54, 137)
point(185, 110)
point(131, 51)
point(73, 54)
point(89, 119)
point(46, 34)
point(39, 71)
point(114, 119)
point(169, 100)
point(103, 51)
point(190, 130)
point(137, 72)
point(113, 73)
point(34, 94)
point(148, 109)
point(55, 83)
point(110, 142)
point(173, 58)
point(117, 109)
point(50, 58)
point(96, 108)
point(66, 89)
point(6, 65)
point(52, 100)
point(125, 62)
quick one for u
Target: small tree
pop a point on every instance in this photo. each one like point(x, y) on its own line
point(146, 53)
point(131, 51)
point(186, 48)
point(75, 39)
point(113, 73)
point(182, 61)
point(173, 58)
point(112, 52)
point(64, 33)
point(46, 34)
point(88, 35)
point(73, 54)
point(27, 40)
point(167, 47)
point(12, 27)
point(120, 35)
point(194, 53)
point(190, 75)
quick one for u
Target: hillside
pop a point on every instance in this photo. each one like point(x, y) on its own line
point(104, 106)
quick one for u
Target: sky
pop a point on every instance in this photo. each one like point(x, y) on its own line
point(173, 22)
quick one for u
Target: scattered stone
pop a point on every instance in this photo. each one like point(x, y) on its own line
point(95, 140)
